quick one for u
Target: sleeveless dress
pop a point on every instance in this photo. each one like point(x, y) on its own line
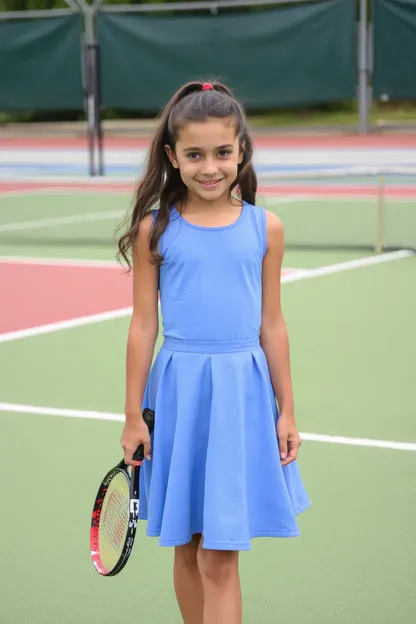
point(215, 466)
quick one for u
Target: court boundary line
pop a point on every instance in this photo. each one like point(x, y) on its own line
point(79, 321)
point(115, 417)
point(123, 312)
point(96, 190)
point(36, 224)
point(119, 189)
point(83, 263)
point(348, 265)
point(51, 190)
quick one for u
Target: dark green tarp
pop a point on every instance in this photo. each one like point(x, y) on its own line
point(395, 49)
point(293, 55)
point(40, 64)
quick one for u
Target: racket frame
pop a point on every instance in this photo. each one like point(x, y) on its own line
point(133, 483)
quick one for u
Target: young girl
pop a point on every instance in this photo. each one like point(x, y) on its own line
point(222, 468)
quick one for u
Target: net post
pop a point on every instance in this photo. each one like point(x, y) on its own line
point(363, 69)
point(380, 206)
point(87, 38)
point(89, 108)
point(90, 57)
point(98, 101)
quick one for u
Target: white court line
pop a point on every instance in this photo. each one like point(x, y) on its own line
point(65, 262)
point(348, 265)
point(68, 220)
point(75, 262)
point(60, 325)
point(316, 198)
point(93, 415)
point(386, 444)
point(54, 190)
point(290, 277)
point(64, 191)
point(52, 411)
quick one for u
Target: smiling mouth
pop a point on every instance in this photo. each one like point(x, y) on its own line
point(209, 182)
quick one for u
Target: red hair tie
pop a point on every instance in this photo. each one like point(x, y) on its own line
point(207, 86)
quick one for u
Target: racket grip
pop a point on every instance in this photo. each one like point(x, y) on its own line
point(139, 453)
point(149, 419)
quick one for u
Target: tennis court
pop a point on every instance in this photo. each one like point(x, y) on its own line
point(351, 318)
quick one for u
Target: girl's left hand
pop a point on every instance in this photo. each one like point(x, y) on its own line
point(289, 439)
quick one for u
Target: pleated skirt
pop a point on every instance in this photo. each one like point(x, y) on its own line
point(215, 466)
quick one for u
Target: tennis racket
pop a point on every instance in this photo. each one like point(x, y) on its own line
point(115, 513)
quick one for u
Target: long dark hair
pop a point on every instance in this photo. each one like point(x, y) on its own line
point(161, 183)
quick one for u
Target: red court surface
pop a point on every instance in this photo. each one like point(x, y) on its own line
point(39, 294)
point(35, 294)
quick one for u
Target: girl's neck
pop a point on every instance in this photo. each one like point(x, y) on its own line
point(194, 204)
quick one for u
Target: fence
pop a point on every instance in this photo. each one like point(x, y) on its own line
point(292, 54)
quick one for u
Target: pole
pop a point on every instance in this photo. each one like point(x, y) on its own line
point(97, 103)
point(380, 206)
point(90, 108)
point(363, 103)
point(90, 84)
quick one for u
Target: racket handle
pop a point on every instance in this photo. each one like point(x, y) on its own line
point(139, 453)
point(149, 419)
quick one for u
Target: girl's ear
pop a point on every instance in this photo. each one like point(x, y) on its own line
point(171, 156)
point(241, 154)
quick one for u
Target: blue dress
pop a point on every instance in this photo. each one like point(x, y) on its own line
point(215, 466)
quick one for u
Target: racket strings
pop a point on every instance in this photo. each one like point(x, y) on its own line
point(114, 521)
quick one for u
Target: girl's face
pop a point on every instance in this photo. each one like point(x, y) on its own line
point(207, 154)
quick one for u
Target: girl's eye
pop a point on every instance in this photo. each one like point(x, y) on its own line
point(224, 152)
point(193, 155)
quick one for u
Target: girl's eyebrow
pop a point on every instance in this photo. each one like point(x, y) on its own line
point(192, 149)
point(199, 149)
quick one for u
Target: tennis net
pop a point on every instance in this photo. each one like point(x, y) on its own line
point(361, 207)
point(357, 208)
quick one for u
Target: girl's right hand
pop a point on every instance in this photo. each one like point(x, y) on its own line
point(134, 434)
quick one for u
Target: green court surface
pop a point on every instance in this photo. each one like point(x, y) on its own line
point(82, 225)
point(353, 346)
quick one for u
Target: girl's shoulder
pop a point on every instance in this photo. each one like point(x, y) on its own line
point(257, 212)
point(267, 224)
point(269, 219)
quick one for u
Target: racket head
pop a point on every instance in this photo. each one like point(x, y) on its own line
point(115, 513)
point(114, 520)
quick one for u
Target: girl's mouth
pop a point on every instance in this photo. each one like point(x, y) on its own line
point(209, 183)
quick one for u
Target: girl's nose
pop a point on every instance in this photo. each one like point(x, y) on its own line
point(209, 167)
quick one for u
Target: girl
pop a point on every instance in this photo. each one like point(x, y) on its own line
point(217, 474)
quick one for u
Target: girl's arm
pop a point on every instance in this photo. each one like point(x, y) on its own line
point(275, 342)
point(141, 341)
